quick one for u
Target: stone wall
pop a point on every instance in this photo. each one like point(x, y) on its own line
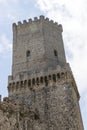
point(54, 102)
point(50, 107)
point(41, 39)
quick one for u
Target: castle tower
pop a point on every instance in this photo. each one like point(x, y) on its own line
point(41, 77)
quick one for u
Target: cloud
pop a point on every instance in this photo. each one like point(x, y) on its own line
point(16, 10)
point(8, 9)
point(72, 15)
point(6, 2)
point(12, 11)
point(5, 45)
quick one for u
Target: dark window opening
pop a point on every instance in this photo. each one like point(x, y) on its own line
point(45, 78)
point(36, 116)
point(58, 75)
point(55, 53)
point(28, 53)
point(49, 77)
point(54, 77)
point(29, 82)
point(41, 79)
point(37, 80)
point(33, 81)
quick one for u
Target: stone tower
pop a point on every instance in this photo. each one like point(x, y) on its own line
point(42, 79)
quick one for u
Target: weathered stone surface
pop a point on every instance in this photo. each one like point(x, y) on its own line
point(42, 91)
point(41, 39)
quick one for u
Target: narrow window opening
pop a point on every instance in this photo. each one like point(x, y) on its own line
point(37, 80)
point(41, 79)
point(55, 53)
point(33, 81)
point(36, 116)
point(25, 82)
point(46, 80)
point(49, 77)
point(29, 82)
point(28, 53)
point(54, 77)
point(58, 75)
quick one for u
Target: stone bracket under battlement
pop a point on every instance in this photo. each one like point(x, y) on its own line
point(53, 78)
point(26, 75)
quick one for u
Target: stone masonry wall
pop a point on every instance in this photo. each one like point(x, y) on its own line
point(51, 107)
point(55, 105)
point(41, 38)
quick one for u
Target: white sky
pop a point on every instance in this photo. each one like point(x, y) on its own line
point(71, 14)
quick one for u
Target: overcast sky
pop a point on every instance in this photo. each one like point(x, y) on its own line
point(71, 14)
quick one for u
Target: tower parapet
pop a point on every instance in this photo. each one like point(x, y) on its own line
point(38, 20)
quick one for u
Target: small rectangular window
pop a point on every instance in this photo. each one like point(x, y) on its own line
point(55, 53)
point(28, 53)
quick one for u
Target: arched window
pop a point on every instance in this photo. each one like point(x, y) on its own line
point(55, 53)
point(28, 53)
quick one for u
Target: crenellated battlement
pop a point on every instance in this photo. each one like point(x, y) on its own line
point(26, 75)
point(41, 79)
point(36, 19)
point(38, 81)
